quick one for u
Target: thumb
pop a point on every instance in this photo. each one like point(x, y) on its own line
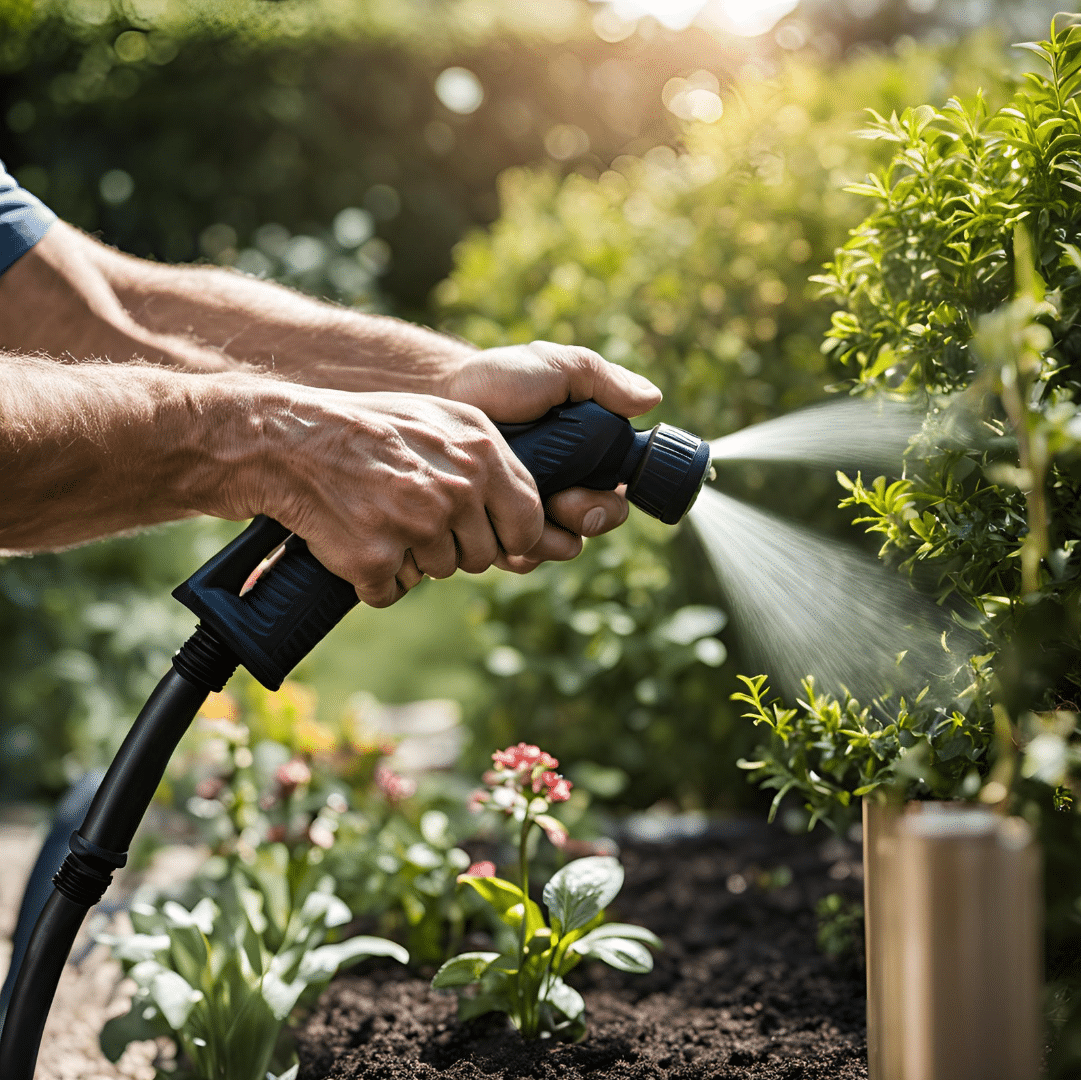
point(589, 375)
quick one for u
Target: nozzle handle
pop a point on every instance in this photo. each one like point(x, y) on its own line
point(289, 610)
point(297, 601)
point(577, 444)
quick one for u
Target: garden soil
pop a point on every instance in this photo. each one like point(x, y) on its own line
point(740, 989)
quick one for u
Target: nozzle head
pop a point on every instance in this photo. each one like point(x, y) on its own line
point(671, 473)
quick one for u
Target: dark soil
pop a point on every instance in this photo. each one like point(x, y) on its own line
point(740, 989)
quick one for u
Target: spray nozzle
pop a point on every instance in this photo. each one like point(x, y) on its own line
point(581, 444)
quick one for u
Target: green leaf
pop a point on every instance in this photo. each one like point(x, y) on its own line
point(582, 890)
point(565, 1000)
point(135, 947)
point(325, 907)
point(463, 969)
point(505, 899)
point(201, 917)
point(174, 996)
point(471, 1007)
point(281, 996)
point(620, 953)
point(621, 930)
point(321, 964)
point(133, 1026)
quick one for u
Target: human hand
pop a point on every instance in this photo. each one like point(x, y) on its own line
point(385, 488)
point(519, 383)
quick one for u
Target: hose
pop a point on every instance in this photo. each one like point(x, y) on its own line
point(39, 887)
point(101, 844)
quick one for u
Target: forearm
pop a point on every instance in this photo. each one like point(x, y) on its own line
point(271, 327)
point(92, 450)
point(57, 301)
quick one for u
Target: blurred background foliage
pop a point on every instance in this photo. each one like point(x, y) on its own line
point(659, 191)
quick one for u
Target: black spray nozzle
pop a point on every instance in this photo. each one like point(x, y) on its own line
point(581, 444)
point(298, 601)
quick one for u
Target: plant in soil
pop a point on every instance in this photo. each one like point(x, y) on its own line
point(222, 979)
point(259, 768)
point(526, 979)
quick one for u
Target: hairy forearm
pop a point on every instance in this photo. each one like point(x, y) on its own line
point(271, 327)
point(90, 450)
point(74, 297)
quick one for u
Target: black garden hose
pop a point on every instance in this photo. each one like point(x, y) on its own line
point(101, 845)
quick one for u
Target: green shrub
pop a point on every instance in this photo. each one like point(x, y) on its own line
point(692, 268)
point(84, 636)
point(966, 276)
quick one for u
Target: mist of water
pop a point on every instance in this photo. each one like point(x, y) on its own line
point(848, 433)
point(806, 605)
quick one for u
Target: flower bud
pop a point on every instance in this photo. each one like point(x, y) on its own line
point(481, 869)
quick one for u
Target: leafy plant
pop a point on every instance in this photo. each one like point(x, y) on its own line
point(840, 926)
point(222, 978)
point(260, 768)
point(965, 278)
point(526, 979)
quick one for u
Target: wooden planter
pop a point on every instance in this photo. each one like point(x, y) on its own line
point(953, 925)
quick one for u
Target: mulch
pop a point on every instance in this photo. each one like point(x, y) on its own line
point(740, 989)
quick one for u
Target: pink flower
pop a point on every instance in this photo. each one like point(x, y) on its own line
point(292, 774)
point(524, 755)
point(560, 791)
point(394, 787)
point(545, 779)
point(477, 800)
point(508, 758)
point(479, 870)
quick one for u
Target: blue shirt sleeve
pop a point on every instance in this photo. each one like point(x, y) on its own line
point(24, 220)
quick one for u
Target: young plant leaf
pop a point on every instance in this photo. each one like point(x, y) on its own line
point(620, 953)
point(619, 930)
point(582, 890)
point(463, 969)
point(322, 963)
point(174, 996)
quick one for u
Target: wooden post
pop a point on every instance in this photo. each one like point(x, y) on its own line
point(953, 916)
point(881, 898)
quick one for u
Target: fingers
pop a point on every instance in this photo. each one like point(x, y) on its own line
point(588, 375)
point(514, 507)
point(555, 545)
point(478, 546)
point(588, 513)
point(409, 574)
point(438, 559)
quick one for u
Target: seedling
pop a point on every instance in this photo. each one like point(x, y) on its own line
point(526, 981)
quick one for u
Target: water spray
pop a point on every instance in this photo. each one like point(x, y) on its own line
point(803, 604)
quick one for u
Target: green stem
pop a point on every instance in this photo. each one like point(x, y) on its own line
point(527, 1014)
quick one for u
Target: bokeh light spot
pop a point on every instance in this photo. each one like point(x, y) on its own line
point(352, 226)
point(459, 90)
point(116, 187)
